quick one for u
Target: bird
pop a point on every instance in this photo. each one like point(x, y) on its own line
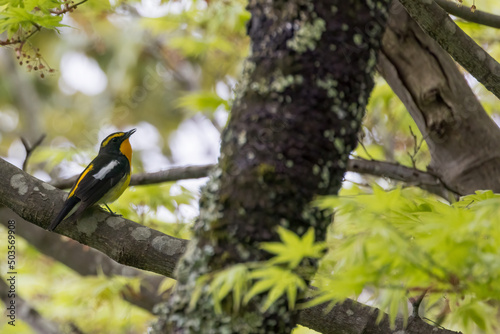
point(102, 181)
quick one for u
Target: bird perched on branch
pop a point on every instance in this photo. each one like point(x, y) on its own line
point(104, 179)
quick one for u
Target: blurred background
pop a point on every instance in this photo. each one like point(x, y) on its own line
point(169, 69)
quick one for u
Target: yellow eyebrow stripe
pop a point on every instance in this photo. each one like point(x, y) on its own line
point(89, 168)
point(119, 134)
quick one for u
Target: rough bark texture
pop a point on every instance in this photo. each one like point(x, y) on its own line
point(301, 101)
point(437, 23)
point(87, 261)
point(123, 240)
point(462, 138)
point(352, 317)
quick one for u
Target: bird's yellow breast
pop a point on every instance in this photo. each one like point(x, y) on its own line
point(117, 190)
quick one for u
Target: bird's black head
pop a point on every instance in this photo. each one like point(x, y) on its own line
point(117, 143)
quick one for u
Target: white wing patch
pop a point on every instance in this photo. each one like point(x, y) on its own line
point(106, 169)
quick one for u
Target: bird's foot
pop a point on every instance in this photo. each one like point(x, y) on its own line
point(114, 214)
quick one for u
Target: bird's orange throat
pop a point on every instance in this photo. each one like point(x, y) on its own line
point(126, 149)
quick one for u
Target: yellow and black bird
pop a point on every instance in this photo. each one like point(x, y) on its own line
point(104, 179)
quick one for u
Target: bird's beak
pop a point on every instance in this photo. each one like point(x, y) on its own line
point(130, 133)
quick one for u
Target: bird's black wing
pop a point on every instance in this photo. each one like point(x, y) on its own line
point(106, 172)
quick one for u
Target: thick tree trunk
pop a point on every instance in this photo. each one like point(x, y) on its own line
point(462, 138)
point(301, 101)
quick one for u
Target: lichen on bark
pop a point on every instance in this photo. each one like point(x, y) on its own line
point(300, 103)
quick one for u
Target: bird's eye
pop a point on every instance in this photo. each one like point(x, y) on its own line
point(114, 140)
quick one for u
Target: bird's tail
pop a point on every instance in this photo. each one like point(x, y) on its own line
point(68, 206)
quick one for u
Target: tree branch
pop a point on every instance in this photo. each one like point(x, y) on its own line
point(87, 261)
point(167, 175)
point(480, 17)
point(411, 176)
point(393, 171)
point(436, 22)
point(29, 149)
point(123, 240)
point(462, 138)
point(351, 317)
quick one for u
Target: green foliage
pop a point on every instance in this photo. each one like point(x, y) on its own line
point(401, 244)
point(293, 249)
point(142, 204)
point(202, 101)
point(78, 299)
point(194, 46)
point(275, 281)
point(23, 16)
point(233, 279)
point(165, 285)
point(53, 159)
point(304, 330)
point(275, 277)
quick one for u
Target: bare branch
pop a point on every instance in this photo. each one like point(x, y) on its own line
point(411, 176)
point(393, 171)
point(372, 167)
point(484, 18)
point(29, 149)
point(437, 24)
point(167, 175)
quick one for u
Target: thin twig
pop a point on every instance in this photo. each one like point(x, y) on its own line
point(19, 40)
point(434, 323)
point(468, 205)
point(67, 9)
point(416, 148)
point(364, 149)
point(480, 17)
point(415, 303)
point(29, 149)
